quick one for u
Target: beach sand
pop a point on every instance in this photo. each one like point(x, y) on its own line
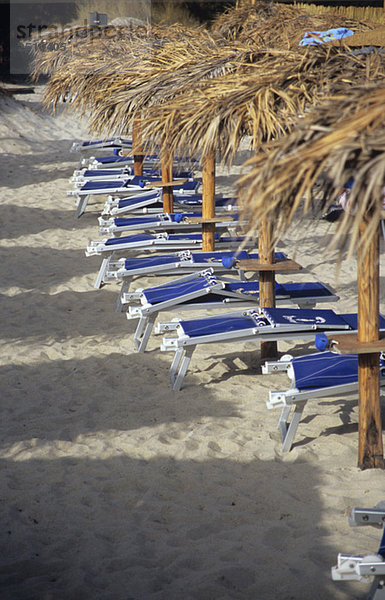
point(113, 487)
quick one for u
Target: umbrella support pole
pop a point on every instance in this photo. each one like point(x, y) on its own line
point(167, 193)
point(266, 281)
point(137, 147)
point(370, 451)
point(208, 201)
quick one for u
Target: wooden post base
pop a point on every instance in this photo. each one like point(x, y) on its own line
point(267, 292)
point(208, 201)
point(370, 455)
point(267, 281)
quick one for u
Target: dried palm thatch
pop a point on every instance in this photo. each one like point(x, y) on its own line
point(277, 25)
point(57, 49)
point(261, 100)
point(54, 49)
point(165, 78)
point(88, 77)
point(343, 137)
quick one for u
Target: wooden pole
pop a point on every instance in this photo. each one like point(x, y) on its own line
point(137, 147)
point(266, 280)
point(208, 201)
point(168, 196)
point(370, 451)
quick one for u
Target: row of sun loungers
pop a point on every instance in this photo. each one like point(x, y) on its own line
point(213, 282)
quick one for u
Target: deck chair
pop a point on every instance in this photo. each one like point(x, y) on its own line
point(151, 241)
point(124, 187)
point(204, 290)
point(161, 222)
point(184, 199)
point(89, 145)
point(318, 375)
point(369, 567)
point(267, 324)
point(125, 269)
point(82, 176)
point(116, 160)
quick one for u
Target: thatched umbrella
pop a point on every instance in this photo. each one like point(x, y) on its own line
point(154, 86)
point(116, 95)
point(92, 63)
point(86, 79)
point(51, 50)
point(246, 100)
point(345, 136)
point(256, 101)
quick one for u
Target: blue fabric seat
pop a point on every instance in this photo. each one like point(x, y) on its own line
point(159, 222)
point(184, 199)
point(186, 261)
point(323, 374)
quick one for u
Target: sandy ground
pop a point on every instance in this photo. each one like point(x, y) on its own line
point(113, 487)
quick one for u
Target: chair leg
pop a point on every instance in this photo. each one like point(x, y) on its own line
point(182, 359)
point(123, 290)
point(81, 206)
point(377, 589)
point(102, 270)
point(146, 330)
point(288, 430)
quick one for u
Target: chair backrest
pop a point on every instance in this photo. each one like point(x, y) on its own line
point(310, 318)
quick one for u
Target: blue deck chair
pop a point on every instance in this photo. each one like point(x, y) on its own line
point(365, 567)
point(149, 201)
point(82, 176)
point(204, 290)
point(185, 198)
point(268, 324)
point(115, 160)
point(91, 145)
point(150, 242)
point(162, 221)
point(220, 261)
point(322, 374)
point(124, 187)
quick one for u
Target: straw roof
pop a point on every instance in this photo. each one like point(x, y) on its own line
point(104, 43)
point(261, 100)
point(54, 49)
point(157, 84)
point(87, 78)
point(344, 138)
